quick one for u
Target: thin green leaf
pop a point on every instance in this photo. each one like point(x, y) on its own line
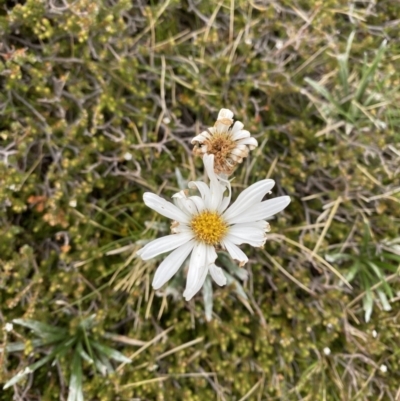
point(387, 266)
point(239, 289)
point(30, 369)
point(337, 257)
point(41, 329)
point(369, 72)
point(110, 352)
point(391, 256)
point(20, 346)
point(88, 322)
point(343, 60)
point(381, 277)
point(368, 302)
point(227, 262)
point(75, 381)
point(106, 363)
point(349, 43)
point(366, 236)
point(340, 110)
point(100, 366)
point(84, 355)
point(323, 91)
point(385, 303)
point(352, 272)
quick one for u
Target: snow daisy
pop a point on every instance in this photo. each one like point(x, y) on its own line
point(202, 224)
point(227, 141)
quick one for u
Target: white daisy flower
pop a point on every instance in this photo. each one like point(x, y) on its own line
point(203, 223)
point(227, 141)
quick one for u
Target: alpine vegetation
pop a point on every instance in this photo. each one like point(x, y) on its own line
point(206, 223)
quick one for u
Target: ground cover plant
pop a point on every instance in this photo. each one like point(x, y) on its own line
point(99, 103)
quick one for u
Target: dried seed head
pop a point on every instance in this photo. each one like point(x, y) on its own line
point(227, 141)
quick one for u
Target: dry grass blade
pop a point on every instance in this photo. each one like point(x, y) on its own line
point(316, 256)
point(180, 347)
point(287, 274)
point(147, 345)
point(251, 391)
point(327, 225)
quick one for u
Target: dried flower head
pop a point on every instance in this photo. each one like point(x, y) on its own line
point(227, 141)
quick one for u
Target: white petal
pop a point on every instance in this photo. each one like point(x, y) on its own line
point(241, 151)
point(224, 204)
point(256, 225)
point(235, 252)
point(261, 211)
point(171, 264)
point(248, 198)
point(222, 126)
point(217, 274)
point(237, 127)
point(210, 257)
point(190, 293)
point(250, 142)
point(164, 244)
point(180, 228)
point(235, 158)
point(164, 207)
point(240, 135)
point(186, 204)
point(196, 268)
point(225, 113)
point(200, 205)
point(203, 189)
point(216, 188)
point(201, 137)
point(246, 235)
point(227, 199)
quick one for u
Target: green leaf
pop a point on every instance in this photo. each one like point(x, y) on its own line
point(343, 60)
point(337, 257)
point(17, 378)
point(227, 262)
point(110, 352)
point(385, 303)
point(75, 381)
point(352, 272)
point(325, 93)
point(20, 346)
point(100, 366)
point(56, 352)
point(381, 277)
point(369, 72)
point(239, 289)
point(83, 353)
point(368, 302)
point(41, 329)
point(322, 91)
point(88, 322)
point(27, 370)
point(105, 362)
point(387, 266)
point(391, 256)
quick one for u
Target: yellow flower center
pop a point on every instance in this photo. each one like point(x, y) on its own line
point(209, 227)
